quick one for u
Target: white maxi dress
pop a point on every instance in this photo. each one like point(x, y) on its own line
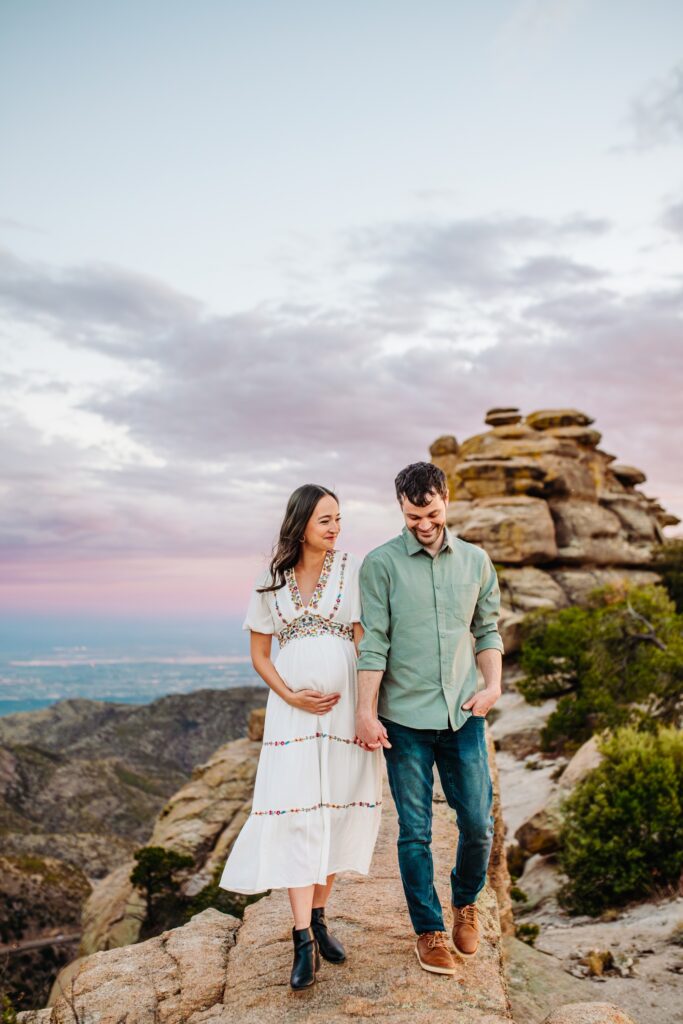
point(317, 795)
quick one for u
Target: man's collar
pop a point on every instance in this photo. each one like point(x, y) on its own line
point(448, 539)
point(413, 545)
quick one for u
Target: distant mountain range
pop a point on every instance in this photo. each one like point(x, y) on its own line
point(101, 771)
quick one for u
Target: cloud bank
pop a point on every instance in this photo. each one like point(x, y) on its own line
point(225, 415)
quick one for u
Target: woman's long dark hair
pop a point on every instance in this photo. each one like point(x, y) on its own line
point(300, 508)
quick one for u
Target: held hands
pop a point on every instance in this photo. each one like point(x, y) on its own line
point(370, 733)
point(481, 702)
point(313, 701)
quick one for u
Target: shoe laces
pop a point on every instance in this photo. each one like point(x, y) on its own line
point(436, 939)
point(467, 913)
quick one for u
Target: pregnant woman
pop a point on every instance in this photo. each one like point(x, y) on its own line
point(317, 796)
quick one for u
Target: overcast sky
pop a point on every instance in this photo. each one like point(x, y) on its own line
point(245, 245)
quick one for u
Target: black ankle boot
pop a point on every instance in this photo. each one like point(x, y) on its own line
point(306, 958)
point(330, 947)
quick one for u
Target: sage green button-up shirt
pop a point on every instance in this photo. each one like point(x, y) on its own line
point(420, 614)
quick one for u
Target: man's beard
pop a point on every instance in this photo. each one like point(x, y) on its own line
point(433, 536)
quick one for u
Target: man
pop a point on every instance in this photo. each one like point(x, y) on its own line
point(423, 594)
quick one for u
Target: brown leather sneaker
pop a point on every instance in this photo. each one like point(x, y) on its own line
point(433, 953)
point(465, 929)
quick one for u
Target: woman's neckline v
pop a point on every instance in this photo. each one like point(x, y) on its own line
point(325, 567)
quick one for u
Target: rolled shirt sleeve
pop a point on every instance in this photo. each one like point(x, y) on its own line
point(484, 626)
point(375, 616)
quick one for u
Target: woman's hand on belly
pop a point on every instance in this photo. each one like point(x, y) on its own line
point(313, 701)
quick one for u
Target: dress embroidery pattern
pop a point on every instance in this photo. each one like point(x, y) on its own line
point(337, 600)
point(314, 625)
point(319, 587)
point(293, 589)
point(316, 807)
point(302, 739)
point(281, 615)
point(277, 608)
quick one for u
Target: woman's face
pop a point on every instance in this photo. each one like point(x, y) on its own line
point(322, 529)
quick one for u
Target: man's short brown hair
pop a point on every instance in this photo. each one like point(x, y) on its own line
point(419, 481)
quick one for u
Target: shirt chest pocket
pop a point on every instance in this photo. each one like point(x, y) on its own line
point(462, 601)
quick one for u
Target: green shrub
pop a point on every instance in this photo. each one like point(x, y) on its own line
point(518, 895)
point(527, 933)
point(8, 1015)
point(617, 661)
point(213, 895)
point(8, 993)
point(158, 875)
point(155, 875)
point(668, 562)
point(622, 835)
point(516, 859)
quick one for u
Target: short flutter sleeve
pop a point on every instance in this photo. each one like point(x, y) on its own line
point(352, 587)
point(259, 618)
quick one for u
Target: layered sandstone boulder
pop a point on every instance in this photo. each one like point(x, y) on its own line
point(557, 515)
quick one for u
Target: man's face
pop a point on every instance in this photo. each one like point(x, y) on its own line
point(425, 522)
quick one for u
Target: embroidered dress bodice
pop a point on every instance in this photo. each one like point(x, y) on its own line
point(307, 620)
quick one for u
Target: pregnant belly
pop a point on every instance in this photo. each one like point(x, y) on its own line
point(326, 664)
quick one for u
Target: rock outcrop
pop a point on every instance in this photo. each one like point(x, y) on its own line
point(216, 971)
point(538, 982)
point(581, 764)
point(556, 513)
point(540, 833)
point(172, 978)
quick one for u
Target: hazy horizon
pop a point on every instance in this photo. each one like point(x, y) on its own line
point(46, 658)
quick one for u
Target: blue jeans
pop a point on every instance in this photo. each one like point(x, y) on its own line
point(462, 761)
